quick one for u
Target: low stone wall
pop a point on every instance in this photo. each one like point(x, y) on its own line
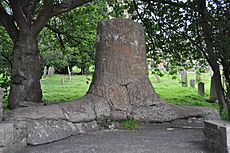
point(35, 125)
point(217, 136)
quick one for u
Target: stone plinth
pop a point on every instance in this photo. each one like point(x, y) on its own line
point(217, 136)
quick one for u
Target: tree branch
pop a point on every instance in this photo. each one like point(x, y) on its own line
point(139, 15)
point(178, 4)
point(43, 17)
point(19, 15)
point(66, 6)
point(57, 31)
point(8, 23)
point(49, 10)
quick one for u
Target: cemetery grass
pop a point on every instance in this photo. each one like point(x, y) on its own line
point(168, 89)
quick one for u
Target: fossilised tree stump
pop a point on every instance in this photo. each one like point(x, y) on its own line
point(121, 74)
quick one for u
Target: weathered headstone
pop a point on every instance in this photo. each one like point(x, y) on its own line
point(51, 71)
point(198, 77)
point(45, 71)
point(213, 95)
point(62, 81)
point(184, 79)
point(201, 88)
point(69, 74)
point(1, 106)
point(157, 78)
point(192, 83)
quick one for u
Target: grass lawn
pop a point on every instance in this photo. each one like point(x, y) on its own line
point(168, 89)
point(54, 91)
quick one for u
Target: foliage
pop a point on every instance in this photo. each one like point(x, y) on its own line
point(224, 114)
point(69, 39)
point(5, 63)
point(130, 124)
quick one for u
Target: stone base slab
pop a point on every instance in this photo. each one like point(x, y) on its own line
point(217, 136)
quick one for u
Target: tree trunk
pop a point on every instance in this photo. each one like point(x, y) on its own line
point(227, 77)
point(210, 53)
point(26, 72)
point(121, 73)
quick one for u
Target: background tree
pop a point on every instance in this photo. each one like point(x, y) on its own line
point(23, 20)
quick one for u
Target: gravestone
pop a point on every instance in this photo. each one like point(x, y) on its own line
point(51, 71)
point(157, 78)
point(1, 106)
point(201, 88)
point(45, 71)
point(192, 83)
point(69, 74)
point(62, 81)
point(213, 95)
point(198, 77)
point(184, 79)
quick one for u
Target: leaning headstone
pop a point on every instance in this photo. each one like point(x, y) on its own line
point(201, 88)
point(45, 71)
point(1, 107)
point(213, 95)
point(192, 83)
point(184, 78)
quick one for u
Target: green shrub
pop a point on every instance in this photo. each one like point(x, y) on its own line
point(224, 114)
point(130, 124)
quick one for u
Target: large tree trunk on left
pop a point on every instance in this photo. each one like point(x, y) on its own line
point(26, 71)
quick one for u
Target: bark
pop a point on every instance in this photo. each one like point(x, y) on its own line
point(121, 73)
point(227, 77)
point(26, 72)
